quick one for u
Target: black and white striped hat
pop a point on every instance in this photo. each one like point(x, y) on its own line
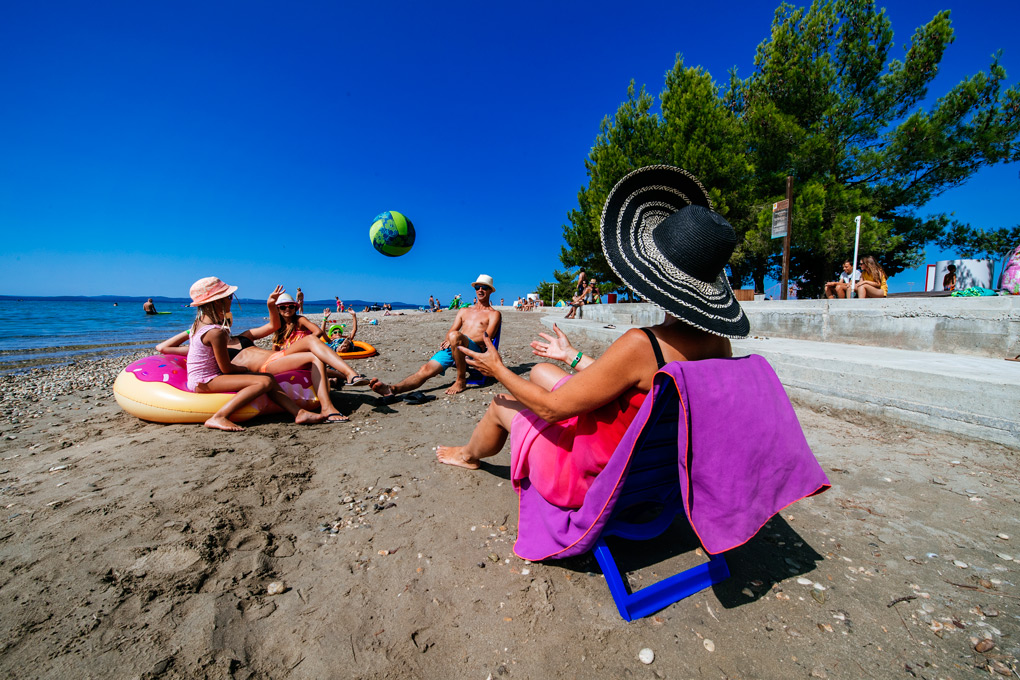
point(662, 238)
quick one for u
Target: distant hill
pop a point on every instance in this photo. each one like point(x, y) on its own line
point(311, 306)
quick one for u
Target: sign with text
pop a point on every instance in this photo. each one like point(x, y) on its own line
point(780, 216)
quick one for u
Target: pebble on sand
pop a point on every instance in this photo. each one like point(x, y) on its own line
point(276, 587)
point(646, 656)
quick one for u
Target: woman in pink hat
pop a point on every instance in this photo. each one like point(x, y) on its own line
point(211, 370)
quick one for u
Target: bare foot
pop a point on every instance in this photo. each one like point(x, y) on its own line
point(304, 417)
point(457, 387)
point(455, 455)
point(221, 423)
point(379, 387)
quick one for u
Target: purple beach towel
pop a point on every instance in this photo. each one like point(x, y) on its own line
point(741, 458)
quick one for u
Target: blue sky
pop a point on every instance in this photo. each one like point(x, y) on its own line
point(147, 144)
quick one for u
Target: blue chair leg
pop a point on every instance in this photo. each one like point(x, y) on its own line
point(656, 596)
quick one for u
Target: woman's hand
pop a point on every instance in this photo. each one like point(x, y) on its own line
point(558, 348)
point(275, 295)
point(326, 313)
point(487, 362)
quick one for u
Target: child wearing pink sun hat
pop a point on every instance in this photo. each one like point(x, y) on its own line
point(210, 368)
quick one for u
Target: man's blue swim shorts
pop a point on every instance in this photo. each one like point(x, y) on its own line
point(444, 357)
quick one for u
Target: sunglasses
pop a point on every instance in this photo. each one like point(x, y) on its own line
point(481, 287)
point(286, 306)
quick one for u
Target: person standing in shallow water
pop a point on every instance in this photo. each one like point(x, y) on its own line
point(300, 300)
point(149, 307)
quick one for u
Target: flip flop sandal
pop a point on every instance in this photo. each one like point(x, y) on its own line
point(418, 398)
point(336, 418)
point(358, 381)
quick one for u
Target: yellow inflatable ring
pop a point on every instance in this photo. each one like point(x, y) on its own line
point(155, 389)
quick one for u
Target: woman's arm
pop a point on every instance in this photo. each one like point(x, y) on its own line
point(173, 345)
point(626, 363)
point(274, 317)
point(306, 325)
point(354, 325)
point(325, 320)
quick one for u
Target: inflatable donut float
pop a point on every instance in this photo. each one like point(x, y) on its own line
point(156, 389)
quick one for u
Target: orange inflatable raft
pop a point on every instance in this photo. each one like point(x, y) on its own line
point(363, 350)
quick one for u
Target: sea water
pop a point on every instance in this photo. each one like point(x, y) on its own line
point(41, 333)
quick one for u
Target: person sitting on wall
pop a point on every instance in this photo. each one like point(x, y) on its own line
point(841, 287)
point(873, 281)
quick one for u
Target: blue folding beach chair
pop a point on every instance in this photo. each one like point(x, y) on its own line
point(653, 482)
point(684, 455)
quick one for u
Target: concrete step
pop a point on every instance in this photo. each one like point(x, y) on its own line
point(978, 326)
point(974, 397)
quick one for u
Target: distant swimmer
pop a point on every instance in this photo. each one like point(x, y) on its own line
point(149, 307)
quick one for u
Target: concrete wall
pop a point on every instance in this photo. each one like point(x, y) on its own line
point(980, 326)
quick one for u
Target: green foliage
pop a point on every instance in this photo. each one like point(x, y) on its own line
point(629, 141)
point(565, 283)
point(829, 104)
point(978, 243)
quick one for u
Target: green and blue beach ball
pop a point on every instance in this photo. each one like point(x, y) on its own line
point(392, 234)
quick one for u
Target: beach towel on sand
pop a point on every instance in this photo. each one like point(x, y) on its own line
point(741, 458)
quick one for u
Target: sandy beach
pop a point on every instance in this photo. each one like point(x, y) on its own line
point(137, 550)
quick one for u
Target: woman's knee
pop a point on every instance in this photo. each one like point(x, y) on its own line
point(546, 375)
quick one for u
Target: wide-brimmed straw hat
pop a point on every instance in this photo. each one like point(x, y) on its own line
point(662, 238)
point(208, 289)
point(285, 299)
point(485, 280)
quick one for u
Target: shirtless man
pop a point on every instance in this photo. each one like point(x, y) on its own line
point(149, 307)
point(468, 329)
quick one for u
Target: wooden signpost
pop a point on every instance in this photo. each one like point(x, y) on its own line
point(782, 225)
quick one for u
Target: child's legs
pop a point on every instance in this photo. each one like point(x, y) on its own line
point(247, 385)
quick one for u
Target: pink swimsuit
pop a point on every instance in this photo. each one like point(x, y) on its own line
point(202, 366)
